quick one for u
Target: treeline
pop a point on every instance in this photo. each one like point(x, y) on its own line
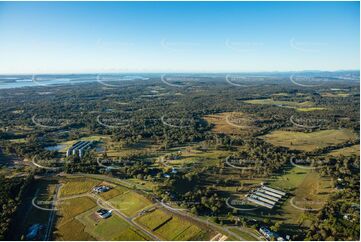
point(11, 190)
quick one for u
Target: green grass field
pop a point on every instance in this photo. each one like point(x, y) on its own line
point(130, 203)
point(307, 189)
point(77, 186)
point(291, 179)
point(309, 141)
point(175, 228)
point(102, 229)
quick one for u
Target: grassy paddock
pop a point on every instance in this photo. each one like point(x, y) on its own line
point(347, 151)
point(235, 123)
point(309, 141)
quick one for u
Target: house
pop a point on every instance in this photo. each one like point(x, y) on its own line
point(100, 189)
point(270, 235)
point(103, 213)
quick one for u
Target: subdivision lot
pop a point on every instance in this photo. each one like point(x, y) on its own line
point(130, 203)
point(67, 227)
point(171, 227)
point(116, 191)
point(309, 141)
point(77, 186)
point(102, 229)
point(77, 219)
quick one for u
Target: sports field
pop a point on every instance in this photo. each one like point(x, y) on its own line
point(309, 141)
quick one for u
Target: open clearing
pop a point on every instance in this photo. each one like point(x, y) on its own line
point(309, 141)
point(335, 94)
point(307, 189)
point(302, 106)
point(191, 155)
point(233, 123)
point(310, 109)
point(286, 104)
point(347, 151)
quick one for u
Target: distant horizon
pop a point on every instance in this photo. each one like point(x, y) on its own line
point(176, 72)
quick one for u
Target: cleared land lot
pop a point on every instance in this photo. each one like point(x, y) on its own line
point(69, 228)
point(309, 141)
point(77, 186)
point(130, 203)
point(171, 227)
point(191, 155)
point(112, 228)
point(113, 192)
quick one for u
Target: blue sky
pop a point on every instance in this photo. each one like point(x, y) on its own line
point(75, 37)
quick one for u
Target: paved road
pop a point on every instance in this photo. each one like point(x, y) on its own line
point(49, 227)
